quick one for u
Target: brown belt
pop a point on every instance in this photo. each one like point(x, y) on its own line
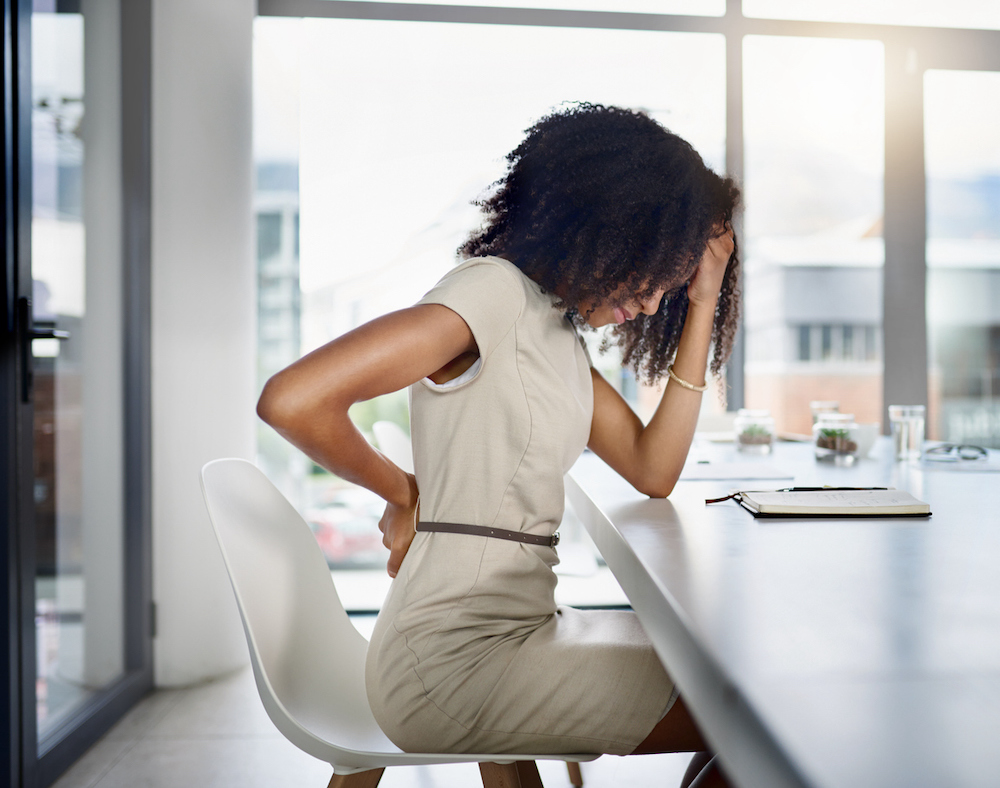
point(495, 533)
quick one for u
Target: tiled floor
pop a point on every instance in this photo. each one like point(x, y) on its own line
point(217, 735)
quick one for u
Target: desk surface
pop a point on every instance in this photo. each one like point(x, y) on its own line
point(822, 653)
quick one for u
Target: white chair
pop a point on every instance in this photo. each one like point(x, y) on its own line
point(308, 659)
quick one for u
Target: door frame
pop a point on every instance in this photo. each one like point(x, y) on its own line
point(23, 762)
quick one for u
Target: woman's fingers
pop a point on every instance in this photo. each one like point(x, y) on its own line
point(397, 533)
point(707, 280)
point(721, 246)
point(398, 528)
point(396, 555)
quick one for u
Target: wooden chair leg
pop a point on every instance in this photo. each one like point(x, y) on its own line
point(368, 779)
point(499, 775)
point(575, 775)
point(527, 772)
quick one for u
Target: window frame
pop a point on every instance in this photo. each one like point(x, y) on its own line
point(26, 761)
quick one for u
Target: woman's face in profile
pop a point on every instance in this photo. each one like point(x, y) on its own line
point(620, 306)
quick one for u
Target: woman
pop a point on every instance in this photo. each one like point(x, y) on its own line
point(603, 218)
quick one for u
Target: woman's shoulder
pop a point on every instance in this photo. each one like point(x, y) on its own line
point(500, 270)
point(487, 292)
point(490, 280)
point(487, 267)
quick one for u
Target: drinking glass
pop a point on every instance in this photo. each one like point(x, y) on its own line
point(907, 426)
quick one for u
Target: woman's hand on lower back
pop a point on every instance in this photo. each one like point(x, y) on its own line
point(398, 527)
point(308, 403)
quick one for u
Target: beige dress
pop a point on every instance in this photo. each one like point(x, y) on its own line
point(470, 652)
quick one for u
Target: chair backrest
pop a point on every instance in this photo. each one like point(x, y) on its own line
point(308, 658)
point(394, 443)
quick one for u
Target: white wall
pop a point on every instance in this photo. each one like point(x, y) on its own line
point(203, 318)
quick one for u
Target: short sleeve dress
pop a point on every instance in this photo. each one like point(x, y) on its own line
point(470, 653)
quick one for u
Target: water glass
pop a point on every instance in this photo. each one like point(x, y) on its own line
point(906, 423)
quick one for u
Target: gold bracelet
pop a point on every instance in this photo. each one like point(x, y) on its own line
point(684, 383)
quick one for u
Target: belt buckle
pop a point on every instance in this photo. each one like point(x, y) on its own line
point(555, 538)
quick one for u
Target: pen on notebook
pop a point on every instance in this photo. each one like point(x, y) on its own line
point(737, 493)
point(825, 489)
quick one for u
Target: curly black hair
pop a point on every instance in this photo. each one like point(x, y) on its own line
point(598, 197)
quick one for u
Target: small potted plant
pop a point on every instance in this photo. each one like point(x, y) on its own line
point(754, 431)
point(835, 438)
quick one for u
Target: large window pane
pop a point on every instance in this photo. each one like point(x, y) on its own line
point(984, 14)
point(962, 132)
point(389, 130)
point(814, 165)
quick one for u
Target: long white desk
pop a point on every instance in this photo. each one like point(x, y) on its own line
point(824, 653)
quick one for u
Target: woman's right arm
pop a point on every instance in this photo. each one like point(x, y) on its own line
point(307, 402)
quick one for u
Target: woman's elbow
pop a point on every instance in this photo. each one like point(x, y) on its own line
point(276, 404)
point(658, 486)
point(659, 490)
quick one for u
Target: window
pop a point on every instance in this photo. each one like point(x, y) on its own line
point(956, 13)
point(801, 121)
point(962, 119)
point(814, 161)
point(831, 344)
point(392, 135)
point(701, 7)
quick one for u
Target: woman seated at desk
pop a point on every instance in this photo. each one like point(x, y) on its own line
point(603, 217)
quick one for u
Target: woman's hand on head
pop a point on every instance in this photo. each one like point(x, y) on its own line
point(707, 280)
point(398, 527)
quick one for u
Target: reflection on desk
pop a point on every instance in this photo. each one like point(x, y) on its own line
point(839, 652)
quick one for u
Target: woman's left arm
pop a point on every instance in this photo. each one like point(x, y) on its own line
point(651, 457)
